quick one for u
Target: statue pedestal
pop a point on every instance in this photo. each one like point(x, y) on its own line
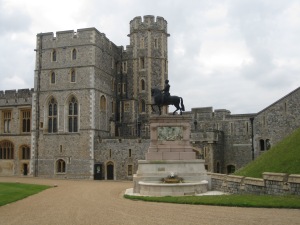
point(170, 153)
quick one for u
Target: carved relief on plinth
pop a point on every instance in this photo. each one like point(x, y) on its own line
point(168, 133)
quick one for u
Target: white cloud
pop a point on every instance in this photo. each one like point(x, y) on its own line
point(238, 55)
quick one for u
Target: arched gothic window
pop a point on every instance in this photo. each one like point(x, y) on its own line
point(52, 116)
point(6, 150)
point(103, 103)
point(60, 166)
point(74, 54)
point(73, 115)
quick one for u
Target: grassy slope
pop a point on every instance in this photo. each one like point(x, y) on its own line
point(282, 158)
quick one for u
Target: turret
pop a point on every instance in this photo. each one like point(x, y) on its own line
point(148, 38)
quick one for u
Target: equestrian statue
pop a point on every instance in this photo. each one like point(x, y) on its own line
point(163, 97)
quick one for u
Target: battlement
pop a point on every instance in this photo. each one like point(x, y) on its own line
point(16, 97)
point(148, 22)
point(21, 93)
point(70, 38)
point(208, 112)
point(69, 33)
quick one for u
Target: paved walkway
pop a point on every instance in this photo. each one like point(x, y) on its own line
point(101, 202)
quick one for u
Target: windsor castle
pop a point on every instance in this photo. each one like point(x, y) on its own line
point(87, 116)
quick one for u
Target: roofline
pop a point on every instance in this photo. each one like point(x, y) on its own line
point(297, 89)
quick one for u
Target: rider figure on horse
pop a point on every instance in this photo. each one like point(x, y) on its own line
point(166, 92)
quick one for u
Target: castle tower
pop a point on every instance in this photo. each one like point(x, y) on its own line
point(72, 101)
point(146, 63)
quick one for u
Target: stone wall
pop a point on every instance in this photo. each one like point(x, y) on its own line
point(15, 103)
point(121, 153)
point(270, 184)
point(277, 121)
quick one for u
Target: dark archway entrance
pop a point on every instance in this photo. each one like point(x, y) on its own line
point(25, 169)
point(110, 171)
point(98, 171)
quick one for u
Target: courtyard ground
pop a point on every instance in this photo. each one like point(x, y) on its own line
point(79, 202)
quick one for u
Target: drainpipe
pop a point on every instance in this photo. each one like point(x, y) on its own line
point(252, 137)
point(37, 111)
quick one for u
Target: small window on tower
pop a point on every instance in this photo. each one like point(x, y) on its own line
point(73, 76)
point(155, 43)
point(54, 55)
point(142, 63)
point(124, 67)
point(52, 78)
point(126, 107)
point(74, 54)
point(143, 85)
point(124, 88)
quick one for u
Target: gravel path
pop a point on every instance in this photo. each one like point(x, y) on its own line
point(101, 202)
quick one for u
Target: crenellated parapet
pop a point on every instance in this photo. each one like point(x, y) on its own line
point(69, 38)
point(148, 22)
point(15, 97)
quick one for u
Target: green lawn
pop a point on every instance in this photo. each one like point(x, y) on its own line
point(11, 192)
point(281, 158)
point(263, 201)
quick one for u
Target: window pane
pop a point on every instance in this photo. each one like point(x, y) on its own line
point(71, 109)
point(24, 125)
point(75, 109)
point(55, 109)
point(70, 125)
point(54, 124)
point(75, 125)
point(28, 125)
point(50, 109)
point(50, 125)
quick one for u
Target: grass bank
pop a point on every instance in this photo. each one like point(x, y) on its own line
point(290, 202)
point(11, 192)
point(281, 158)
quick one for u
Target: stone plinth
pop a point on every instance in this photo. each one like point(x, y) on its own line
point(178, 189)
point(170, 152)
point(170, 138)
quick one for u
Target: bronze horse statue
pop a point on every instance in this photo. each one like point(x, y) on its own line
point(160, 100)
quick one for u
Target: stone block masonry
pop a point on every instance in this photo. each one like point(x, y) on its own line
point(270, 184)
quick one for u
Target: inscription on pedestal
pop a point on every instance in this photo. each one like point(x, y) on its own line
point(169, 133)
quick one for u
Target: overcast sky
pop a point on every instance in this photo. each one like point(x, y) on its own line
point(240, 55)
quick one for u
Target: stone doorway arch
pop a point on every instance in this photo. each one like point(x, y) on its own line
point(110, 171)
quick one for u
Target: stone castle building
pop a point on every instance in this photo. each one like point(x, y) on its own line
point(87, 116)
